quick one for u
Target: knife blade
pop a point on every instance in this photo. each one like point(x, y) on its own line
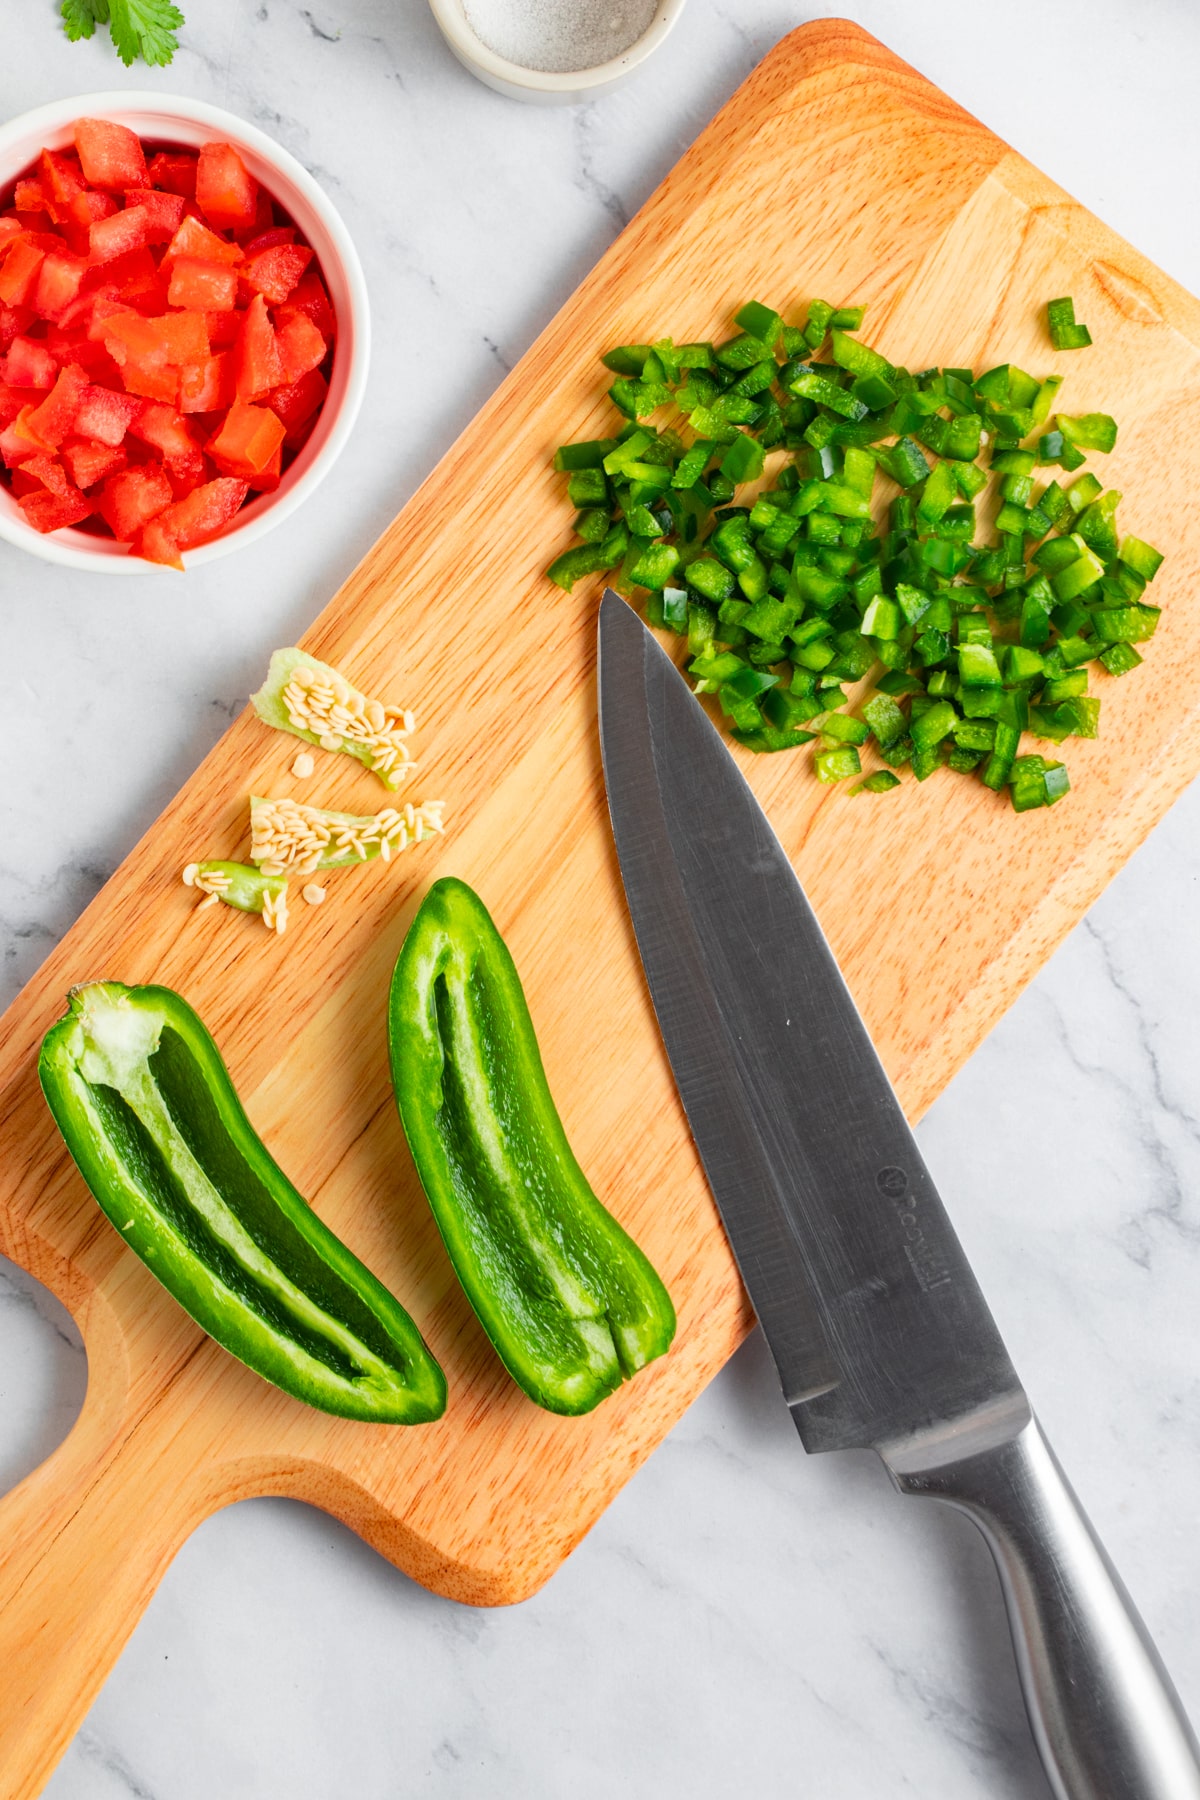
point(877, 1325)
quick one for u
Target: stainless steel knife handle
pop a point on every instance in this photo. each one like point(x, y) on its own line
point(1108, 1723)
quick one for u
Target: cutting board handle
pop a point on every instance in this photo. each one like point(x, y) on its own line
point(84, 1541)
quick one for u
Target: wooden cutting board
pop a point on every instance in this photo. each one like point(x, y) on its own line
point(838, 171)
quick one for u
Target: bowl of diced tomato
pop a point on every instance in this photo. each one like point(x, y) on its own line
point(184, 332)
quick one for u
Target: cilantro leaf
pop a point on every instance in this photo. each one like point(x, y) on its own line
point(144, 28)
point(79, 18)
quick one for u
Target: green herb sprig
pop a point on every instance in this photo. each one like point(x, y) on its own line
point(145, 28)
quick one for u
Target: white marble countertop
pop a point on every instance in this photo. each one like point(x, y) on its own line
point(744, 1618)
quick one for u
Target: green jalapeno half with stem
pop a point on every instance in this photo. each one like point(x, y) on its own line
point(571, 1304)
point(148, 1111)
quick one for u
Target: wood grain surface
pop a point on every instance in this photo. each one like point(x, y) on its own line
point(835, 170)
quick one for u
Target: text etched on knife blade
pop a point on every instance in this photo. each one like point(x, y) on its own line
point(928, 1267)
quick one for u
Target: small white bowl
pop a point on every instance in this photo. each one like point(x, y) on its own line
point(541, 86)
point(172, 119)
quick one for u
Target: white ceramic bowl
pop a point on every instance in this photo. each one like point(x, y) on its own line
point(540, 86)
point(171, 119)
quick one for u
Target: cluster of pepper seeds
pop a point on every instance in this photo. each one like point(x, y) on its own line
point(289, 837)
point(321, 702)
point(241, 886)
point(785, 602)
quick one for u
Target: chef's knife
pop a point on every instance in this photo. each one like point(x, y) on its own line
point(881, 1335)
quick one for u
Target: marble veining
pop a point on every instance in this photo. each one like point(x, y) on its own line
point(743, 1618)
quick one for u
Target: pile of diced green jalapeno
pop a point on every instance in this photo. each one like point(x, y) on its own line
point(788, 600)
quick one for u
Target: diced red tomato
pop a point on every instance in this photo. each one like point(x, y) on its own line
point(168, 432)
point(15, 447)
point(224, 329)
point(136, 279)
point(45, 239)
point(156, 544)
point(61, 340)
point(298, 400)
point(92, 310)
point(275, 271)
point(146, 311)
point(202, 516)
point(123, 331)
point(164, 213)
point(14, 320)
point(165, 428)
point(175, 338)
point(50, 472)
point(59, 281)
point(78, 316)
point(257, 364)
point(19, 273)
point(249, 438)
point(92, 359)
point(25, 428)
point(130, 499)
point(153, 380)
point(301, 346)
point(264, 220)
point(226, 192)
point(268, 479)
point(87, 463)
point(111, 154)
point(207, 387)
point(50, 422)
point(61, 179)
point(266, 240)
point(185, 335)
point(102, 370)
point(29, 364)
point(132, 336)
point(309, 297)
point(12, 399)
point(89, 206)
point(119, 234)
point(104, 415)
point(140, 350)
point(185, 480)
point(195, 239)
point(47, 512)
point(174, 171)
point(206, 286)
